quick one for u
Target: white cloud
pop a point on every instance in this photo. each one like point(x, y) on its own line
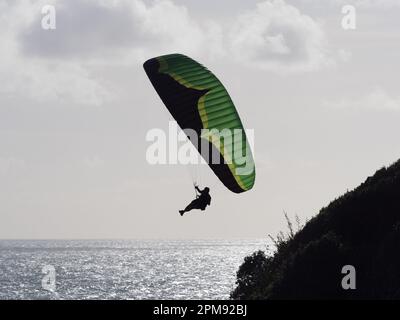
point(277, 36)
point(378, 99)
point(40, 79)
point(58, 66)
point(122, 31)
point(274, 33)
point(170, 27)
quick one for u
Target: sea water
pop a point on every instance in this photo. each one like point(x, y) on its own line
point(122, 269)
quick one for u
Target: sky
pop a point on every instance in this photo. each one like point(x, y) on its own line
point(76, 105)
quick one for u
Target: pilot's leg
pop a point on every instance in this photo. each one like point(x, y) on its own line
point(193, 205)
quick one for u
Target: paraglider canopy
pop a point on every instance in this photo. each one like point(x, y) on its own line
point(198, 101)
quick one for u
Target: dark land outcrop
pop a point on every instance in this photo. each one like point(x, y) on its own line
point(361, 228)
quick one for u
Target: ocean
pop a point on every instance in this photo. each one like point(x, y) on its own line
point(121, 269)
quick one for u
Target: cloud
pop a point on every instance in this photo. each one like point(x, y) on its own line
point(114, 32)
point(83, 29)
point(59, 66)
point(37, 78)
point(378, 99)
point(277, 36)
point(273, 35)
point(171, 27)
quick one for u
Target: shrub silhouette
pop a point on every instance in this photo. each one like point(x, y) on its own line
point(360, 228)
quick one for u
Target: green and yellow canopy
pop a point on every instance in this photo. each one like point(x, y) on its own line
point(198, 100)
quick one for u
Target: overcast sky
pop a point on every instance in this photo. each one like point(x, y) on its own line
point(75, 107)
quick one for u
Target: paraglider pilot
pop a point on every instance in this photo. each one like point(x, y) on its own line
point(201, 202)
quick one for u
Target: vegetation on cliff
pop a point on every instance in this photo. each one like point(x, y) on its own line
point(361, 228)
